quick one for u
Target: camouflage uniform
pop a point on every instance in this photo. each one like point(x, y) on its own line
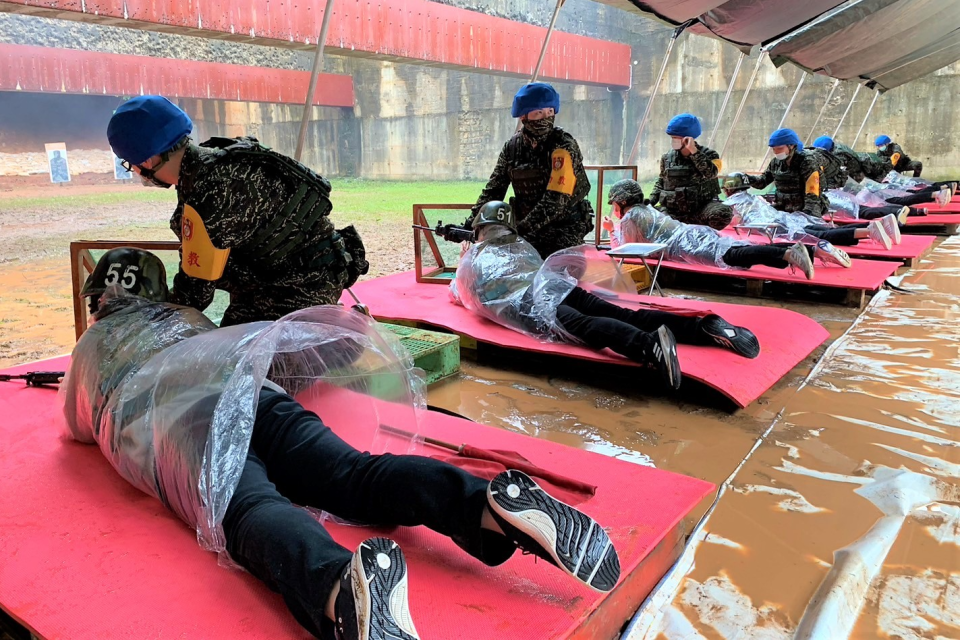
point(850, 160)
point(272, 213)
point(900, 161)
point(688, 187)
point(875, 166)
point(833, 175)
point(551, 188)
point(798, 183)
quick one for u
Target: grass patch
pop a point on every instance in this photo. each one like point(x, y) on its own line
point(375, 201)
point(135, 195)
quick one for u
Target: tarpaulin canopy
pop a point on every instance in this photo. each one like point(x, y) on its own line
point(743, 23)
point(883, 42)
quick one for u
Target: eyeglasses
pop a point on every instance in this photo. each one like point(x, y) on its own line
point(126, 166)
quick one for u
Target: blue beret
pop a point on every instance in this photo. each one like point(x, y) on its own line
point(785, 136)
point(882, 140)
point(537, 95)
point(146, 126)
point(683, 125)
point(824, 142)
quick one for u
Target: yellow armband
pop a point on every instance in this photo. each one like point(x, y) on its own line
point(894, 159)
point(813, 183)
point(562, 178)
point(200, 259)
point(718, 163)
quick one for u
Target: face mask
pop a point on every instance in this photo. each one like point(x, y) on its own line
point(781, 156)
point(882, 148)
point(676, 144)
point(148, 178)
point(538, 128)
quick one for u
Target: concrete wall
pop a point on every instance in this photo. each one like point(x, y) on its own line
point(416, 122)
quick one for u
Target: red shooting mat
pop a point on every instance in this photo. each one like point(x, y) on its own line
point(936, 217)
point(786, 337)
point(866, 275)
point(84, 555)
point(911, 246)
point(934, 208)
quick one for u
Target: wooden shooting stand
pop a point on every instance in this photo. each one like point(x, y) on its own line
point(600, 199)
point(82, 265)
point(442, 273)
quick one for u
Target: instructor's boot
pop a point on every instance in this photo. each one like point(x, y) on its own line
point(879, 234)
point(891, 224)
point(372, 603)
point(737, 339)
point(829, 254)
point(799, 257)
point(540, 524)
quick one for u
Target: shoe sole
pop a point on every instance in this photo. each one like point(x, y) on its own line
point(668, 344)
point(379, 572)
point(893, 230)
point(800, 261)
point(740, 344)
point(573, 539)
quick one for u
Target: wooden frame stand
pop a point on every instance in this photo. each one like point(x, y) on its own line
point(441, 273)
point(600, 200)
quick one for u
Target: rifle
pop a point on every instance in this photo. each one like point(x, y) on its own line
point(449, 232)
point(35, 378)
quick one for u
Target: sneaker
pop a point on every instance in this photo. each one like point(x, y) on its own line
point(799, 257)
point(953, 189)
point(878, 234)
point(737, 339)
point(829, 254)
point(891, 224)
point(563, 536)
point(663, 354)
point(944, 196)
point(372, 603)
point(902, 215)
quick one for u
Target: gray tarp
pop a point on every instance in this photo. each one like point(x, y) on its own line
point(743, 23)
point(887, 41)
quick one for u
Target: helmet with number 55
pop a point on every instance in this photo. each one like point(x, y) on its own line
point(138, 272)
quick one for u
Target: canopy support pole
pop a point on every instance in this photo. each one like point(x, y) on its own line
point(786, 113)
point(726, 99)
point(743, 101)
point(844, 116)
point(826, 103)
point(864, 123)
point(546, 41)
point(314, 76)
point(634, 151)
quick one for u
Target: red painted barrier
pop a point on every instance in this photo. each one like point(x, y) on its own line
point(412, 31)
point(46, 70)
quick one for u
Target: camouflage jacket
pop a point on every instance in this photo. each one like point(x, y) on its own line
point(687, 183)
point(272, 215)
point(899, 161)
point(797, 180)
point(548, 180)
point(850, 160)
point(833, 175)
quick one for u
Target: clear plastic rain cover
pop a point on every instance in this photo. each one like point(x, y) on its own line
point(754, 210)
point(171, 399)
point(690, 243)
point(504, 279)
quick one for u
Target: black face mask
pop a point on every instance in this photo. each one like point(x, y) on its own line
point(538, 129)
point(148, 178)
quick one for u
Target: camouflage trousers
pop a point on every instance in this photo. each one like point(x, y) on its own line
point(914, 165)
point(570, 232)
point(715, 215)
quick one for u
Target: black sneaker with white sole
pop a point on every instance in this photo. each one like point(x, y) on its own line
point(542, 525)
point(737, 339)
point(372, 603)
point(662, 353)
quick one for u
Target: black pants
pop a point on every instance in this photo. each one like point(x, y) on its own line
point(768, 255)
point(602, 325)
point(923, 196)
point(872, 213)
point(842, 237)
point(295, 459)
